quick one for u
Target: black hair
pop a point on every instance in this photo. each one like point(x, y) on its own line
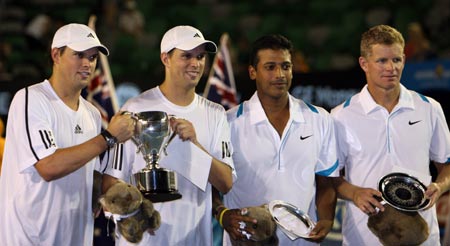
point(272, 41)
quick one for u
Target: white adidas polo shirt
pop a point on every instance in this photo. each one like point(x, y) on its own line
point(32, 210)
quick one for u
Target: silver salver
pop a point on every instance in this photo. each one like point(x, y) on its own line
point(294, 222)
point(403, 192)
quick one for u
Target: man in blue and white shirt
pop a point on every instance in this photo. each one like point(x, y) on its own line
point(383, 129)
point(283, 147)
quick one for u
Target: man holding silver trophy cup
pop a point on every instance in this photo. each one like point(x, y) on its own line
point(181, 146)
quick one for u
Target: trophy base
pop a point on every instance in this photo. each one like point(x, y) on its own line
point(159, 196)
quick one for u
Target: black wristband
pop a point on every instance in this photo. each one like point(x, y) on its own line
point(109, 138)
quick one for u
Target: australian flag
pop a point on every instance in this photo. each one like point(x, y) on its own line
point(220, 87)
point(100, 91)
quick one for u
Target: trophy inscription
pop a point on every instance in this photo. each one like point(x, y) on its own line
point(152, 135)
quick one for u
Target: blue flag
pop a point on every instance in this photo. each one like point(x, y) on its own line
point(100, 91)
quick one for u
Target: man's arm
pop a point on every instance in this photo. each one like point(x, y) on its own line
point(220, 174)
point(364, 198)
point(326, 206)
point(230, 219)
point(67, 160)
point(441, 185)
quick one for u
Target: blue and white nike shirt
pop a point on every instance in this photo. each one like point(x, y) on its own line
point(373, 142)
point(270, 167)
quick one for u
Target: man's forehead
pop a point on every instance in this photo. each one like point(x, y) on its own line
point(198, 49)
point(91, 51)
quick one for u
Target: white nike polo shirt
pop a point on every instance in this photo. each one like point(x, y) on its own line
point(373, 143)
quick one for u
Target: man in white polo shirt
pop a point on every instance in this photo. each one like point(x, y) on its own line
point(53, 143)
point(387, 128)
point(283, 147)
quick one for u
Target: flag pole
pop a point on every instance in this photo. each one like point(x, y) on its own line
point(106, 69)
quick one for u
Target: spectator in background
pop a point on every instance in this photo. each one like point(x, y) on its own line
point(131, 19)
point(383, 129)
point(300, 63)
point(39, 31)
point(5, 54)
point(417, 47)
point(2, 142)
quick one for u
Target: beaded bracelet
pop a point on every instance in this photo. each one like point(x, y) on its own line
point(221, 216)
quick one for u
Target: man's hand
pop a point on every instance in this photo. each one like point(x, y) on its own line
point(320, 231)
point(433, 192)
point(184, 129)
point(121, 126)
point(366, 200)
point(235, 223)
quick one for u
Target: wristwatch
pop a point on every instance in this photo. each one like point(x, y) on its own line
point(109, 138)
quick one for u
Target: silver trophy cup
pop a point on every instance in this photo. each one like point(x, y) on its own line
point(152, 135)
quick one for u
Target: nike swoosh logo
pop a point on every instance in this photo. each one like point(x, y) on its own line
point(303, 138)
point(413, 122)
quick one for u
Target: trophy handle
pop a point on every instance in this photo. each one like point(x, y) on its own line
point(168, 142)
point(134, 138)
point(171, 137)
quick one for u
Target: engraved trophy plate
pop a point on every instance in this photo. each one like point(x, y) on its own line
point(152, 135)
point(403, 192)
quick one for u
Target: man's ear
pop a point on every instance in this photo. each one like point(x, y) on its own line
point(165, 58)
point(55, 54)
point(252, 72)
point(363, 63)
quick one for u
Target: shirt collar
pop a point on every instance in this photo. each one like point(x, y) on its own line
point(369, 105)
point(257, 113)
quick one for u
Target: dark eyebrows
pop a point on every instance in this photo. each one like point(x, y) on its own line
point(187, 52)
point(85, 54)
point(275, 63)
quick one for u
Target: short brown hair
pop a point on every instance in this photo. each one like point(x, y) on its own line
point(381, 34)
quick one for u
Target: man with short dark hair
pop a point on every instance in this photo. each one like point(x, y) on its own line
point(284, 149)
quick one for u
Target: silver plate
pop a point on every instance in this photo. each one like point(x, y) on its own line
point(403, 192)
point(292, 221)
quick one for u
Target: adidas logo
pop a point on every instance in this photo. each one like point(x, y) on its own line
point(197, 35)
point(78, 130)
point(90, 35)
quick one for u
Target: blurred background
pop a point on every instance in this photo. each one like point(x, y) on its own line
point(325, 33)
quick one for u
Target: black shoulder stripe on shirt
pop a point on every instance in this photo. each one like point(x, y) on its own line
point(27, 125)
point(105, 155)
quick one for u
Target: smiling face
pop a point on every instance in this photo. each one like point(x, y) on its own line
point(74, 68)
point(185, 67)
point(383, 66)
point(273, 73)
